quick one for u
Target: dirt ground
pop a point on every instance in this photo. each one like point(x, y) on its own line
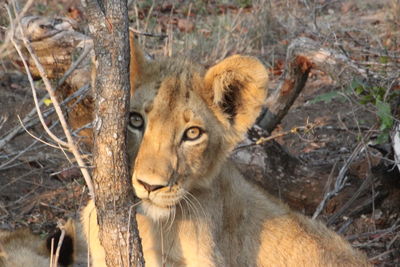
point(38, 186)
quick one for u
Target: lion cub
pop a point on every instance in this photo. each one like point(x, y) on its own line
point(196, 208)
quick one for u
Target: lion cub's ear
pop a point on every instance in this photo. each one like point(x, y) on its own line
point(137, 62)
point(236, 87)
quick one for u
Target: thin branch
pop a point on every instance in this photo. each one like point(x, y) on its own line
point(34, 136)
point(3, 120)
point(51, 252)
point(50, 133)
point(327, 195)
point(60, 241)
point(16, 130)
point(341, 178)
point(159, 35)
point(304, 54)
point(309, 127)
point(70, 142)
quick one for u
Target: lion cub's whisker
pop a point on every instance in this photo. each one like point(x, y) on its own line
point(191, 207)
point(182, 210)
point(196, 208)
point(198, 202)
point(172, 211)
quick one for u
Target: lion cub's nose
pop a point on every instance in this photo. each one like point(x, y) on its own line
point(149, 187)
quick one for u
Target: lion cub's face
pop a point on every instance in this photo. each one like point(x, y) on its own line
point(184, 122)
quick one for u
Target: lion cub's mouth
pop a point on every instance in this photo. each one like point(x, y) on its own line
point(159, 204)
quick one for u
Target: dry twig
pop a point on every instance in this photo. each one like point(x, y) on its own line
point(148, 34)
point(54, 263)
point(70, 142)
point(341, 181)
point(309, 127)
point(295, 130)
point(28, 121)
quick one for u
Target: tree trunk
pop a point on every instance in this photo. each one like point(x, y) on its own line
point(108, 24)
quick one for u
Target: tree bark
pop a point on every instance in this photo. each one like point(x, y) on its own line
point(108, 24)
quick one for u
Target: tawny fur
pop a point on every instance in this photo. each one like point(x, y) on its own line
point(21, 248)
point(204, 212)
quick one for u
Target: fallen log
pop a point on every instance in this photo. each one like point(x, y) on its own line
point(304, 54)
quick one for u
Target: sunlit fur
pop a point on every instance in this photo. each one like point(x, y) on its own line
point(21, 248)
point(207, 214)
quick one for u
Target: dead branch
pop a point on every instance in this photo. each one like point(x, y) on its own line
point(29, 120)
point(56, 42)
point(341, 181)
point(304, 54)
point(49, 132)
point(54, 263)
point(3, 120)
point(40, 29)
point(70, 142)
point(161, 36)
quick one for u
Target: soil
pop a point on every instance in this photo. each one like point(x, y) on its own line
point(38, 187)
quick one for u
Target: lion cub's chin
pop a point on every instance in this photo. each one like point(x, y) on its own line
point(156, 213)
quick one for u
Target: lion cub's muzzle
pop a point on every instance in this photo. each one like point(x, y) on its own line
point(158, 200)
point(149, 187)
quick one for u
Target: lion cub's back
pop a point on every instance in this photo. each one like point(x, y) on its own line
point(296, 240)
point(21, 248)
point(279, 236)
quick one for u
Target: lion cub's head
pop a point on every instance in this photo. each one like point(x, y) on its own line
point(184, 121)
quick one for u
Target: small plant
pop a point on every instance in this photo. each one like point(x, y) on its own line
point(380, 99)
point(326, 97)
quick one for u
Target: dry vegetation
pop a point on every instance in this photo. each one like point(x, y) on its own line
point(346, 155)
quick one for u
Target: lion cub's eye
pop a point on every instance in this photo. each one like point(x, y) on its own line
point(192, 134)
point(136, 120)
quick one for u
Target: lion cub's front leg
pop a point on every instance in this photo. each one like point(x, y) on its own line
point(197, 245)
point(91, 231)
point(187, 244)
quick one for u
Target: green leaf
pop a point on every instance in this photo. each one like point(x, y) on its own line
point(357, 86)
point(384, 115)
point(366, 99)
point(384, 59)
point(382, 138)
point(326, 98)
